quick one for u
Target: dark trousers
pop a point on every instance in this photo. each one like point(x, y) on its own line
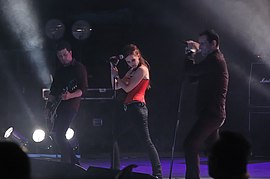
point(205, 130)
point(137, 114)
point(61, 125)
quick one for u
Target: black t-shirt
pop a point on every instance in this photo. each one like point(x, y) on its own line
point(71, 77)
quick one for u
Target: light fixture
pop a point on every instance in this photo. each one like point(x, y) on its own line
point(12, 135)
point(55, 29)
point(69, 134)
point(81, 29)
point(38, 135)
point(44, 143)
point(8, 132)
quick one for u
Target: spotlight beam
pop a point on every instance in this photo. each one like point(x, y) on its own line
point(22, 20)
point(246, 22)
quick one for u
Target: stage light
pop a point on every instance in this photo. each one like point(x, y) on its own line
point(71, 137)
point(69, 134)
point(46, 143)
point(38, 135)
point(43, 142)
point(55, 29)
point(8, 132)
point(14, 136)
point(81, 30)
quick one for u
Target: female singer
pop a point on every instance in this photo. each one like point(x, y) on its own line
point(135, 83)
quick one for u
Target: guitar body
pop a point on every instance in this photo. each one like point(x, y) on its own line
point(52, 115)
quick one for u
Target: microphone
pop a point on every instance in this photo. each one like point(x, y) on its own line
point(189, 51)
point(114, 60)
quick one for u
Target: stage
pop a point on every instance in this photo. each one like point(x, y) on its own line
point(257, 167)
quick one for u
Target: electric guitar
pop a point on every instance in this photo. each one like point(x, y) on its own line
point(50, 119)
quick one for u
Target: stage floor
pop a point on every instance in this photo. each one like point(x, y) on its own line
point(257, 168)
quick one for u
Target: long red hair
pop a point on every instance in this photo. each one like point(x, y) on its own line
point(132, 49)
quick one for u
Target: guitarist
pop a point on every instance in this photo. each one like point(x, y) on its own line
point(70, 70)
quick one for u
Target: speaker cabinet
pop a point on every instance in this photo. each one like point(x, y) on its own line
point(259, 85)
point(94, 126)
point(259, 123)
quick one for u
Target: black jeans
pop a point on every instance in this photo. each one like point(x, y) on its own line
point(61, 125)
point(205, 130)
point(137, 114)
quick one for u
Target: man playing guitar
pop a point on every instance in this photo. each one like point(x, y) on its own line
point(71, 72)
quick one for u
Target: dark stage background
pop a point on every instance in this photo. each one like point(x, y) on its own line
point(158, 28)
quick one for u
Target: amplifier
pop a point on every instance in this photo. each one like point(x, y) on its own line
point(259, 123)
point(90, 94)
point(259, 85)
point(98, 94)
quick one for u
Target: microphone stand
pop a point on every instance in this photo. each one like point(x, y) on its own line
point(176, 129)
point(189, 56)
point(114, 139)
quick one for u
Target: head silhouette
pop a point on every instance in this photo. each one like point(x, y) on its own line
point(228, 158)
point(14, 163)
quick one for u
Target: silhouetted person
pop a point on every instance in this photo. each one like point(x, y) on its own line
point(228, 158)
point(14, 163)
point(125, 173)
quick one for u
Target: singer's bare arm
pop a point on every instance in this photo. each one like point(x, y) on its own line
point(129, 82)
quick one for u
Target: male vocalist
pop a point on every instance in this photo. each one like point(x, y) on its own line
point(212, 76)
point(71, 76)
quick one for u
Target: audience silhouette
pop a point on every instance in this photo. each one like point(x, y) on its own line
point(14, 163)
point(228, 157)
